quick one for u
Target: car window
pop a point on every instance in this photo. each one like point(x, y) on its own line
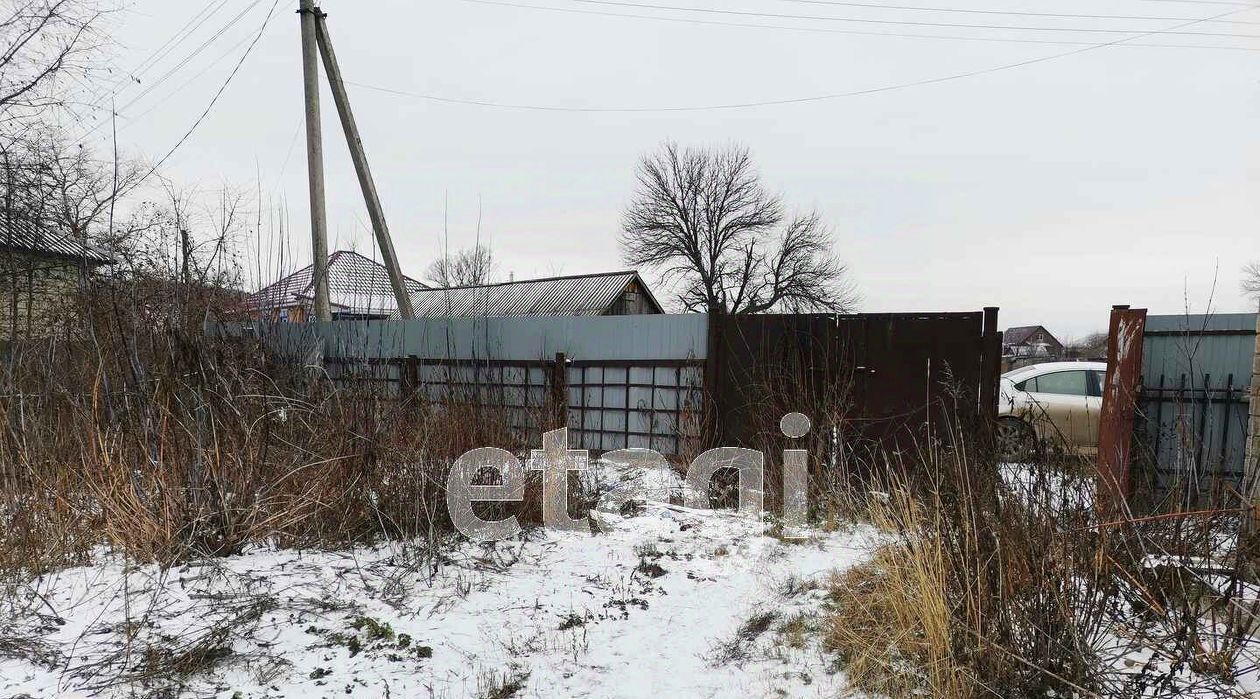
point(1098, 379)
point(1027, 385)
point(1065, 383)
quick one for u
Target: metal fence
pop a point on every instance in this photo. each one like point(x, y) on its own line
point(876, 383)
point(672, 383)
point(625, 381)
point(616, 405)
point(1196, 376)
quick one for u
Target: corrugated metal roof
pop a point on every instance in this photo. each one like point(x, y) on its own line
point(20, 234)
point(579, 295)
point(356, 284)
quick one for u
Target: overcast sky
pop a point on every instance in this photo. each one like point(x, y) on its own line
point(1119, 174)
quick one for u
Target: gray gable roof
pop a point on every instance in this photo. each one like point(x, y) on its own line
point(21, 235)
point(356, 284)
point(1016, 336)
point(577, 295)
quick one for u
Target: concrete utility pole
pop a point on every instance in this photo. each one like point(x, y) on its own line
point(315, 159)
point(370, 197)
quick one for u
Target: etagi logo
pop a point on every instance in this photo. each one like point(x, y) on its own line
point(557, 461)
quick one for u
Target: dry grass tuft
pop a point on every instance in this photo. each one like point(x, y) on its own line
point(1019, 587)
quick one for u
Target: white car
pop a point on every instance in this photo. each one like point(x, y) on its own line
point(1057, 403)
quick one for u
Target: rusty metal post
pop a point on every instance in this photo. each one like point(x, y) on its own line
point(1119, 403)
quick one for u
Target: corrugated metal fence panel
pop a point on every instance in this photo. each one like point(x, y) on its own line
point(1196, 377)
point(1192, 344)
point(616, 338)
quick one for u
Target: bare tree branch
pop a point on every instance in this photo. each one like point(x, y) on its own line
point(40, 41)
point(702, 219)
point(1251, 280)
point(469, 267)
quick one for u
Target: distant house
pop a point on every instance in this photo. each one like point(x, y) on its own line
point(358, 288)
point(41, 270)
point(1031, 341)
point(606, 294)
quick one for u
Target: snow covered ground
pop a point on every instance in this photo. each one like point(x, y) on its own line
point(661, 600)
point(667, 602)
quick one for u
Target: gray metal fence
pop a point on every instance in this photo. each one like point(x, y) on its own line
point(652, 405)
point(1196, 379)
point(629, 381)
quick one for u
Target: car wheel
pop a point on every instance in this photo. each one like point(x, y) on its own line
point(1016, 440)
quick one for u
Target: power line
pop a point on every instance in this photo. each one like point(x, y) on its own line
point(849, 32)
point(193, 54)
point(952, 10)
point(1204, 2)
point(948, 25)
point(192, 79)
point(789, 101)
point(159, 53)
point(162, 51)
point(118, 111)
point(214, 100)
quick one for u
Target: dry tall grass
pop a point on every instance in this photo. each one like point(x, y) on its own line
point(1023, 587)
point(162, 444)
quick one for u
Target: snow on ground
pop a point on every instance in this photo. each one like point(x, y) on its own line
point(666, 602)
point(1041, 486)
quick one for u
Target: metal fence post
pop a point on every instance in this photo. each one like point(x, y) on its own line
point(1119, 404)
point(559, 392)
point(1251, 463)
point(410, 378)
point(990, 367)
point(712, 428)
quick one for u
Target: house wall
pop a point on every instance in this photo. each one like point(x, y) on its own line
point(36, 294)
point(287, 314)
point(633, 301)
point(1040, 337)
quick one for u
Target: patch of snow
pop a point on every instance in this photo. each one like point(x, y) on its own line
point(1042, 486)
point(656, 604)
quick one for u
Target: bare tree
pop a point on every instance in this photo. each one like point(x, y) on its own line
point(468, 267)
point(1251, 280)
point(1092, 345)
point(42, 42)
point(703, 220)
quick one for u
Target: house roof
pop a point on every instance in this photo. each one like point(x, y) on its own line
point(576, 295)
point(21, 235)
point(1020, 335)
point(356, 284)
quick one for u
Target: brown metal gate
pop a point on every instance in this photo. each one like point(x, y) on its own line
point(873, 384)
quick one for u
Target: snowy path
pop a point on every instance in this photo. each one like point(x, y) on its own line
point(655, 605)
